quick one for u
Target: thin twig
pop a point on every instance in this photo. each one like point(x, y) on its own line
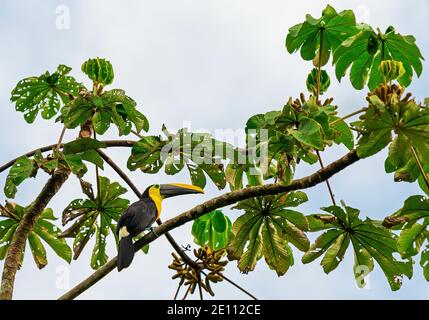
point(235, 285)
point(178, 289)
point(199, 285)
point(186, 293)
point(136, 134)
point(327, 180)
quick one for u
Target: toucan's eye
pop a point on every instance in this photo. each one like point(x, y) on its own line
point(157, 186)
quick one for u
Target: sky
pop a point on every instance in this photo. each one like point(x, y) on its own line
point(207, 65)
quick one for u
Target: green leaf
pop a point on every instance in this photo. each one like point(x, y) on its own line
point(213, 229)
point(312, 81)
point(309, 133)
point(197, 151)
point(411, 238)
point(43, 230)
point(370, 242)
point(22, 169)
point(44, 93)
point(274, 251)
point(366, 51)
point(38, 250)
point(333, 27)
point(95, 216)
point(345, 136)
point(82, 144)
point(99, 70)
point(75, 162)
point(247, 261)
point(99, 256)
point(266, 228)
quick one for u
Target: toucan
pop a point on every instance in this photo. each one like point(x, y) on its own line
point(140, 215)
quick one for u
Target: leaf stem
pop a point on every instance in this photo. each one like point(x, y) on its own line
point(331, 193)
point(348, 116)
point(319, 67)
point(419, 164)
point(97, 177)
point(60, 139)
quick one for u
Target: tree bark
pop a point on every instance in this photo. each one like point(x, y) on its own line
point(215, 203)
point(17, 245)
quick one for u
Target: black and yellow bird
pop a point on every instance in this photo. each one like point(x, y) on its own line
point(142, 214)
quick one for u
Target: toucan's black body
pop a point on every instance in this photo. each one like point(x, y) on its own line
point(142, 214)
point(139, 216)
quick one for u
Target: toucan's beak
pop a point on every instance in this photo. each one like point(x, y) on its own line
point(177, 189)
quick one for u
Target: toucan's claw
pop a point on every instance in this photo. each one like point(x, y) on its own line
point(152, 229)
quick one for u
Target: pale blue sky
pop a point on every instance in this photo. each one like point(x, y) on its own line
point(214, 63)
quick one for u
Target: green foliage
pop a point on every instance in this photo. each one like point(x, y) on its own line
point(99, 70)
point(312, 81)
point(414, 232)
point(110, 107)
point(332, 28)
point(95, 216)
point(397, 121)
point(370, 241)
point(44, 93)
point(199, 152)
point(24, 168)
point(391, 70)
point(10, 216)
point(76, 152)
point(267, 227)
point(212, 229)
point(295, 133)
point(365, 51)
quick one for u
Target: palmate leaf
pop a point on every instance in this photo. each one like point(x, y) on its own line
point(110, 107)
point(370, 241)
point(365, 51)
point(96, 215)
point(212, 229)
point(82, 149)
point(332, 28)
point(415, 232)
point(266, 229)
point(44, 232)
point(44, 93)
point(200, 153)
point(401, 124)
point(24, 168)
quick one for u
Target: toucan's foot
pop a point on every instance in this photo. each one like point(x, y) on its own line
point(152, 229)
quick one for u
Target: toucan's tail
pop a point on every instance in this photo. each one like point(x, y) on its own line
point(125, 252)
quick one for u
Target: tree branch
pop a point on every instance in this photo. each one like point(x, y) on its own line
point(215, 203)
point(17, 245)
point(108, 143)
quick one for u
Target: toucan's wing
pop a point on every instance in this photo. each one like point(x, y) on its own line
point(138, 216)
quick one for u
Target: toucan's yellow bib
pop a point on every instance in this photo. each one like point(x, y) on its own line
point(155, 195)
